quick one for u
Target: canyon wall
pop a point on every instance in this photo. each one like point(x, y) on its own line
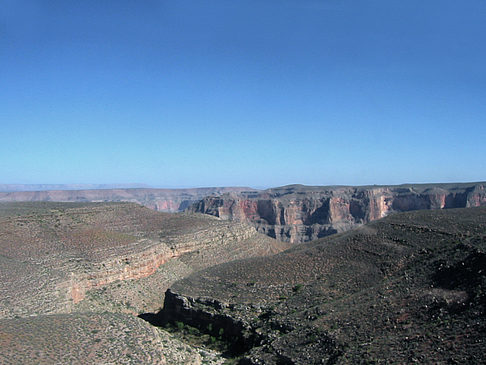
point(298, 213)
point(138, 263)
point(60, 258)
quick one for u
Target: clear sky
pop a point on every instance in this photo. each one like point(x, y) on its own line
point(177, 93)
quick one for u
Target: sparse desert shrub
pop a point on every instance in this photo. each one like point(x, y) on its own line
point(297, 288)
point(193, 331)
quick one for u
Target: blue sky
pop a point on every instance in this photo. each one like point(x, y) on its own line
point(251, 93)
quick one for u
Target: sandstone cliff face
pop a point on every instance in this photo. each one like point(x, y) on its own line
point(142, 263)
point(299, 213)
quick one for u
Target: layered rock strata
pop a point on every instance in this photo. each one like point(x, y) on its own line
point(53, 254)
point(298, 213)
point(140, 264)
point(408, 288)
point(72, 276)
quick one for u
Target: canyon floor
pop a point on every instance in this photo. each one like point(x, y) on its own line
point(85, 283)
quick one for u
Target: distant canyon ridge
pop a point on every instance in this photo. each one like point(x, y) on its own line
point(294, 213)
point(163, 200)
point(298, 213)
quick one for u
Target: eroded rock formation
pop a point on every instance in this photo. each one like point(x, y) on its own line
point(409, 286)
point(59, 257)
point(137, 263)
point(298, 213)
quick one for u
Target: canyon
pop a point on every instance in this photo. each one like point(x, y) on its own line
point(86, 270)
point(70, 249)
point(293, 213)
point(299, 213)
point(410, 287)
point(407, 287)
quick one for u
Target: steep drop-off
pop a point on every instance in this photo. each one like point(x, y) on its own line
point(74, 275)
point(298, 213)
point(140, 262)
point(53, 254)
point(409, 288)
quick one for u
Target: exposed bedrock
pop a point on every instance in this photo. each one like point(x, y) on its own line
point(299, 213)
point(58, 258)
point(258, 339)
point(140, 264)
point(206, 315)
point(403, 289)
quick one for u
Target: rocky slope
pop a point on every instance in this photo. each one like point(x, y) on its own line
point(298, 213)
point(92, 338)
point(67, 249)
point(410, 288)
point(80, 272)
point(164, 200)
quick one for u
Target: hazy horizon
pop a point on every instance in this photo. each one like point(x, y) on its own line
point(242, 93)
point(46, 187)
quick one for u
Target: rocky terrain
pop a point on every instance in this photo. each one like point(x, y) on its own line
point(164, 200)
point(294, 213)
point(298, 213)
point(96, 338)
point(409, 288)
point(73, 277)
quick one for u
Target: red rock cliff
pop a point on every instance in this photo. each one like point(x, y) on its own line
point(299, 213)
